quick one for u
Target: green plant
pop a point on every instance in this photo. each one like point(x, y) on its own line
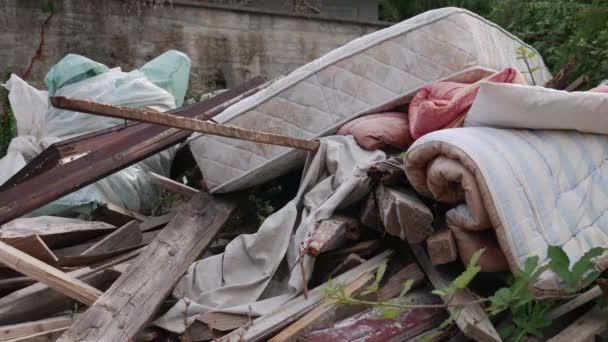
point(528, 313)
point(525, 54)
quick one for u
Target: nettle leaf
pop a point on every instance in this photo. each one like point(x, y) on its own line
point(373, 288)
point(453, 317)
point(500, 301)
point(560, 263)
point(531, 54)
point(463, 280)
point(390, 313)
point(406, 287)
point(506, 331)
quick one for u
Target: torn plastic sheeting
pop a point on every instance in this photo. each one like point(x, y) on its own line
point(40, 125)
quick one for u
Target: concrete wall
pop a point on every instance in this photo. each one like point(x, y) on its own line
point(226, 46)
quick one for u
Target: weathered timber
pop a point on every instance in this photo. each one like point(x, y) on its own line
point(366, 326)
point(155, 222)
point(35, 247)
point(168, 120)
point(263, 327)
point(320, 315)
point(442, 247)
point(585, 328)
point(34, 327)
point(403, 214)
point(171, 185)
point(350, 262)
point(54, 278)
point(223, 321)
point(43, 336)
point(578, 83)
point(331, 233)
point(58, 234)
point(369, 214)
point(39, 301)
point(575, 303)
point(394, 285)
point(126, 236)
point(132, 300)
point(115, 215)
point(472, 319)
point(108, 154)
point(363, 249)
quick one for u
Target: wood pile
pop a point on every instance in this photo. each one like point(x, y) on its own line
point(108, 279)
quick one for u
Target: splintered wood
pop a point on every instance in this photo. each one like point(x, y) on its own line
point(333, 233)
point(131, 301)
point(442, 247)
point(403, 214)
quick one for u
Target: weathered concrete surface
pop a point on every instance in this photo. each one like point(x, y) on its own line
point(226, 46)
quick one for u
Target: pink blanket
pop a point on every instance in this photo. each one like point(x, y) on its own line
point(443, 104)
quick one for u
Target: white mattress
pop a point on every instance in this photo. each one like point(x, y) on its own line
point(315, 99)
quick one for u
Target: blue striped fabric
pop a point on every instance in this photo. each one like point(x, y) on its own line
point(549, 187)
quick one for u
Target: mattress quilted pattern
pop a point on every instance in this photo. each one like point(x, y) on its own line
point(317, 98)
point(548, 188)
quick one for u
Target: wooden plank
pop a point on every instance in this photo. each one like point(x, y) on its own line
point(48, 275)
point(115, 151)
point(368, 325)
point(441, 247)
point(575, 303)
point(171, 185)
point(221, 321)
point(39, 301)
point(586, 327)
point(35, 247)
point(132, 300)
point(350, 262)
point(263, 327)
point(578, 83)
point(126, 236)
point(370, 217)
point(155, 222)
point(393, 286)
point(58, 234)
point(403, 214)
point(331, 233)
point(472, 319)
point(44, 336)
point(29, 328)
point(168, 120)
point(321, 314)
point(115, 215)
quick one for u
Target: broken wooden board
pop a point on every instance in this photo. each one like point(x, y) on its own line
point(221, 321)
point(370, 327)
point(575, 302)
point(350, 262)
point(133, 299)
point(441, 247)
point(403, 214)
point(19, 330)
point(35, 247)
point(39, 301)
point(472, 319)
point(370, 217)
point(585, 328)
point(43, 336)
point(58, 234)
point(106, 154)
point(115, 215)
point(331, 234)
point(155, 222)
point(173, 186)
point(44, 273)
point(363, 249)
point(263, 327)
point(393, 286)
point(322, 314)
point(126, 236)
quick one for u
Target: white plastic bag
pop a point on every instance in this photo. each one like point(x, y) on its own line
point(39, 125)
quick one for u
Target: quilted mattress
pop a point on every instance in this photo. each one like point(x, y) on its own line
point(353, 80)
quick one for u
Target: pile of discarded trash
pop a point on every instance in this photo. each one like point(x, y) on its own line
point(431, 164)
